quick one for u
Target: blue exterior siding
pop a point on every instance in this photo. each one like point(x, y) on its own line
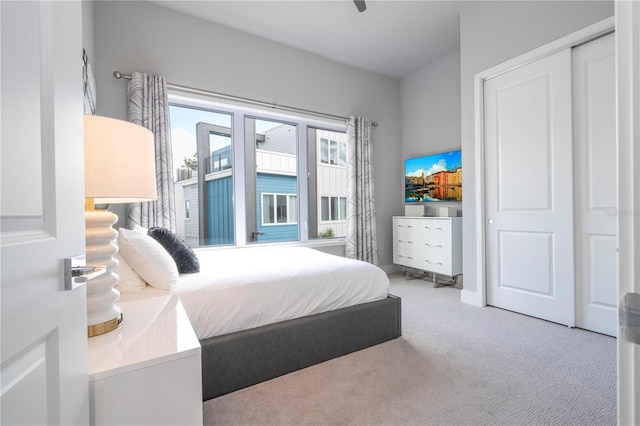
point(220, 199)
point(275, 184)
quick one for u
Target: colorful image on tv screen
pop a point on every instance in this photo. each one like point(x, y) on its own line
point(436, 177)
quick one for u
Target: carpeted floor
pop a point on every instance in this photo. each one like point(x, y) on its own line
point(454, 365)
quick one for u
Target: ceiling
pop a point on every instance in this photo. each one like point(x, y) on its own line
point(391, 37)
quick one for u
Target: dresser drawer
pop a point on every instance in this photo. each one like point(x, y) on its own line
point(429, 244)
point(405, 257)
point(436, 228)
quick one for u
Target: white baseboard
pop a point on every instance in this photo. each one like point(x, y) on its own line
point(469, 297)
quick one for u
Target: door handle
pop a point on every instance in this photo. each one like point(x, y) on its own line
point(629, 317)
point(76, 272)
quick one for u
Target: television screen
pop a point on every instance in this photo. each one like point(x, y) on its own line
point(436, 177)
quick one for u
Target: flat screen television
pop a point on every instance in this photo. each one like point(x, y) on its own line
point(435, 177)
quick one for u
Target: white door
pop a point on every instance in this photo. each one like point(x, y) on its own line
point(595, 177)
point(529, 189)
point(43, 365)
point(628, 101)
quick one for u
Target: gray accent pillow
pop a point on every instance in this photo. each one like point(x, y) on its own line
point(184, 256)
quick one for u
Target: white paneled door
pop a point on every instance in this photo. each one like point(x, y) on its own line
point(529, 189)
point(595, 177)
point(43, 351)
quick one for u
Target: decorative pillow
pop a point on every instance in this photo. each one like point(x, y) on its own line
point(140, 229)
point(128, 280)
point(148, 258)
point(182, 254)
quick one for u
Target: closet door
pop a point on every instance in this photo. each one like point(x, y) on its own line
point(596, 186)
point(529, 189)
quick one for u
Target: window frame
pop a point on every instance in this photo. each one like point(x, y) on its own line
point(338, 199)
point(289, 206)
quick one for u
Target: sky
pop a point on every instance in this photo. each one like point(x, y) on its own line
point(183, 130)
point(430, 164)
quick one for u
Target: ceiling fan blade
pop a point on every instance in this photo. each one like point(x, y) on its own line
point(360, 4)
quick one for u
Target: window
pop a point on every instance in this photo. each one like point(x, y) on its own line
point(239, 174)
point(333, 152)
point(327, 179)
point(333, 208)
point(279, 209)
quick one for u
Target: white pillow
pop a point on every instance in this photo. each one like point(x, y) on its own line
point(148, 258)
point(128, 280)
point(140, 229)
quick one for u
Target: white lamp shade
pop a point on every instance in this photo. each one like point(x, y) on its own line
point(119, 161)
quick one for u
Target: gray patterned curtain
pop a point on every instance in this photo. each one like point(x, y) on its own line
point(149, 107)
point(361, 240)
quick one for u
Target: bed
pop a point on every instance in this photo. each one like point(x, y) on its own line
point(261, 312)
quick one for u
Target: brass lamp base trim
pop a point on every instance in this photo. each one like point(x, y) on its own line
point(105, 327)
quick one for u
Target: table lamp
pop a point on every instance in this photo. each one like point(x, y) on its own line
point(119, 167)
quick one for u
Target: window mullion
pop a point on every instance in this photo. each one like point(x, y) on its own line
point(240, 219)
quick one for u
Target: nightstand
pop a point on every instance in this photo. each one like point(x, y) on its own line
point(147, 372)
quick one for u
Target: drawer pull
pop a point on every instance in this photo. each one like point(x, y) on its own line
point(403, 241)
point(433, 245)
point(437, 229)
point(433, 263)
point(405, 226)
point(408, 257)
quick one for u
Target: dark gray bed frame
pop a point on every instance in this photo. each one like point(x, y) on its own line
point(245, 358)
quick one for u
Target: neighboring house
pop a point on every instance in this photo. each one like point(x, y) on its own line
point(276, 201)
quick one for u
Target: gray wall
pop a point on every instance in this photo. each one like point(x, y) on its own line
point(139, 36)
point(437, 101)
point(430, 120)
point(87, 30)
point(491, 33)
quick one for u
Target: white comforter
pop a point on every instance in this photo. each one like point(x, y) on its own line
point(242, 288)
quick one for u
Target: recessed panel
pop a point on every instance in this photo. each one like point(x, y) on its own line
point(25, 399)
point(523, 146)
point(526, 262)
point(601, 122)
point(22, 112)
point(603, 271)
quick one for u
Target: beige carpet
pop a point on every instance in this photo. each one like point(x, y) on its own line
point(454, 365)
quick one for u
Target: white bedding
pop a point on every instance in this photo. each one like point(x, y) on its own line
point(242, 288)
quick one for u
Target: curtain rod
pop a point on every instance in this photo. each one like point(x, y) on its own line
point(119, 75)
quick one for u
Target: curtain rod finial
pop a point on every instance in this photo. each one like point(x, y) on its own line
point(119, 75)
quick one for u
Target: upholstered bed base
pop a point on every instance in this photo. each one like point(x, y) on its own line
point(245, 358)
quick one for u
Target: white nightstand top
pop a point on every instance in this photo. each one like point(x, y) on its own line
point(153, 331)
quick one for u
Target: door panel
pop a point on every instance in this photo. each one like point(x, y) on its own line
point(528, 164)
point(524, 146)
point(517, 251)
point(596, 186)
point(43, 353)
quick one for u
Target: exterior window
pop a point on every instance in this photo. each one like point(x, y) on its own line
point(325, 209)
point(334, 209)
point(292, 209)
point(333, 152)
point(324, 151)
point(279, 209)
point(265, 197)
point(268, 209)
point(202, 158)
point(328, 180)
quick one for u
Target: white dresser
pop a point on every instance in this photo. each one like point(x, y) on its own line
point(147, 372)
point(431, 244)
